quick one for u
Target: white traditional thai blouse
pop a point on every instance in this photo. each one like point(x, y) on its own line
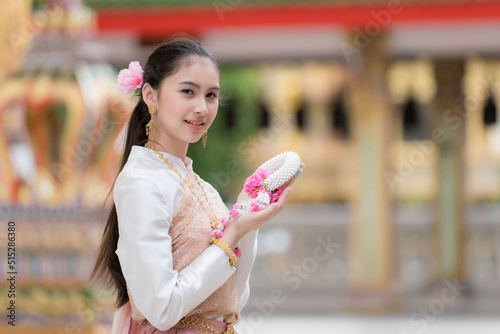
point(169, 266)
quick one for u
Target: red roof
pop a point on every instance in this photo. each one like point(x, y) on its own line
point(157, 22)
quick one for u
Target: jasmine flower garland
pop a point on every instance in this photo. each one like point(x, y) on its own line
point(263, 187)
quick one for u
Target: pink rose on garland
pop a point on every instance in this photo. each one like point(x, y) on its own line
point(224, 221)
point(217, 233)
point(254, 193)
point(252, 182)
point(237, 252)
point(276, 195)
point(255, 206)
point(264, 173)
point(233, 213)
point(131, 78)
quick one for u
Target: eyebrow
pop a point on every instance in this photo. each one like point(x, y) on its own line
point(198, 86)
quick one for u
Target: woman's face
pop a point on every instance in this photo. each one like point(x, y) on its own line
point(187, 102)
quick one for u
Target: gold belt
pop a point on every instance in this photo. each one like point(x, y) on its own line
point(205, 326)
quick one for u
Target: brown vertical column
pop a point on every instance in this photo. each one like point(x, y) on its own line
point(371, 234)
point(448, 133)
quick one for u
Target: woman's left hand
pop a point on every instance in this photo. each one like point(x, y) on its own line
point(243, 196)
point(255, 219)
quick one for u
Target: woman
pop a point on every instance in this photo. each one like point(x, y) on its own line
point(157, 249)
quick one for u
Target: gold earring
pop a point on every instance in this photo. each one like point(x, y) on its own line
point(152, 126)
point(204, 139)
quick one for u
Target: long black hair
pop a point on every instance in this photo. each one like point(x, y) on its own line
point(165, 60)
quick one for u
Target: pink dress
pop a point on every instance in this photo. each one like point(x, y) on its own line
point(191, 233)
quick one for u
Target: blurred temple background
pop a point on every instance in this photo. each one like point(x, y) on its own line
point(394, 227)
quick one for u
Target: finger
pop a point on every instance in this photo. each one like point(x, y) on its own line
point(284, 197)
point(301, 169)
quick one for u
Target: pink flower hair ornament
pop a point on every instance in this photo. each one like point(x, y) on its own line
point(130, 78)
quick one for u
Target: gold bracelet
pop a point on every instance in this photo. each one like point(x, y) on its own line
point(197, 324)
point(233, 259)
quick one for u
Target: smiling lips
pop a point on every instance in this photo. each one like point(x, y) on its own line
point(195, 124)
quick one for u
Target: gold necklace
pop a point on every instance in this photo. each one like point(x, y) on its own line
point(214, 221)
